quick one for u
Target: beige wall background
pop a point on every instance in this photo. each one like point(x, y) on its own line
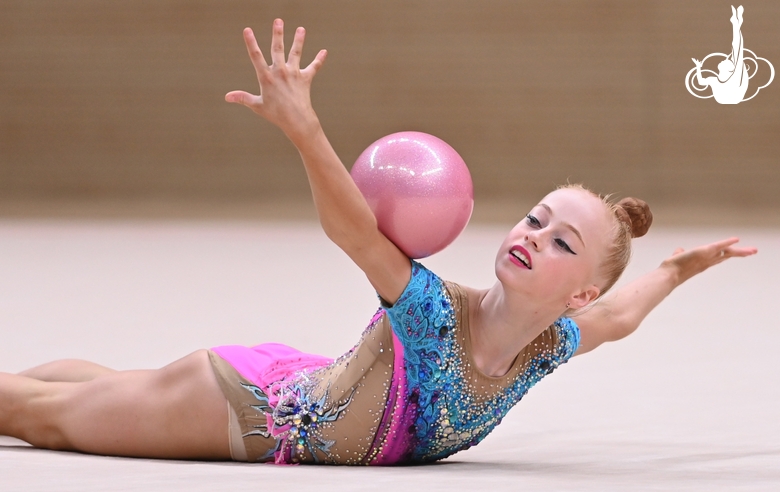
point(108, 103)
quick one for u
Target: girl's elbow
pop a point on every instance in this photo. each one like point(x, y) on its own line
point(621, 330)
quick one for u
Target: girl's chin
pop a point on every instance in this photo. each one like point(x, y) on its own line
point(528, 287)
point(512, 282)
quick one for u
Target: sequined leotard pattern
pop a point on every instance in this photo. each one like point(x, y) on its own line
point(406, 393)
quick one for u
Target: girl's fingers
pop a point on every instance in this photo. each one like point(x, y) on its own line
point(741, 252)
point(244, 98)
point(720, 250)
point(294, 60)
point(694, 261)
point(317, 63)
point(258, 60)
point(724, 250)
point(277, 43)
point(280, 82)
point(725, 243)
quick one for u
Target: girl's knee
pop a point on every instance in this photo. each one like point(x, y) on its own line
point(47, 436)
point(40, 418)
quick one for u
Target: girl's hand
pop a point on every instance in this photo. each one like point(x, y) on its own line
point(284, 98)
point(686, 264)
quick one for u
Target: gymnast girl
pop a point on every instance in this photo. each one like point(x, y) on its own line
point(437, 368)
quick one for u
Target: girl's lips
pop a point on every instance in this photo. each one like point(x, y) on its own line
point(524, 259)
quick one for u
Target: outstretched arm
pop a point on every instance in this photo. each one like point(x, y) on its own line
point(345, 216)
point(620, 313)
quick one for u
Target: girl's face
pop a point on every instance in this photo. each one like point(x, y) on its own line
point(552, 256)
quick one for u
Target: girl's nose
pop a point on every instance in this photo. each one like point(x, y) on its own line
point(533, 239)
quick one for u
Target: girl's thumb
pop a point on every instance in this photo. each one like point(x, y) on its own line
point(238, 97)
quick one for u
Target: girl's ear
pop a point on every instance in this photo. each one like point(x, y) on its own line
point(579, 301)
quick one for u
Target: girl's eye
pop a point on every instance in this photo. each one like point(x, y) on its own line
point(562, 244)
point(534, 222)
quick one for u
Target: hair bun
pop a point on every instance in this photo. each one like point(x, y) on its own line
point(636, 214)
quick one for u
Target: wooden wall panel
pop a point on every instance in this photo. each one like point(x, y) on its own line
point(124, 99)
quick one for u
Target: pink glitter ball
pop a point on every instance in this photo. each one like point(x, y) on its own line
point(419, 189)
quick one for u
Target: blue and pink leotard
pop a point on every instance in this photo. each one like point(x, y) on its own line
point(408, 392)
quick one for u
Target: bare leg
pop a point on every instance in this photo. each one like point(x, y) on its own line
point(67, 370)
point(178, 411)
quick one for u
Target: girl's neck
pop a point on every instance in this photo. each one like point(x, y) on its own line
point(501, 326)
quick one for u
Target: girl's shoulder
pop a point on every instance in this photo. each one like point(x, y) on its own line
point(567, 335)
point(422, 283)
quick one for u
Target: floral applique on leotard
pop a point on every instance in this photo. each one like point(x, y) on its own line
point(296, 419)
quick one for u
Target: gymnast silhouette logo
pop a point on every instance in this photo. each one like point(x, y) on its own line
point(735, 71)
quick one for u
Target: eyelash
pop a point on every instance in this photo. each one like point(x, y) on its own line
point(560, 242)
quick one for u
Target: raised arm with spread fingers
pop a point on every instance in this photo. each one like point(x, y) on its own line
point(346, 218)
